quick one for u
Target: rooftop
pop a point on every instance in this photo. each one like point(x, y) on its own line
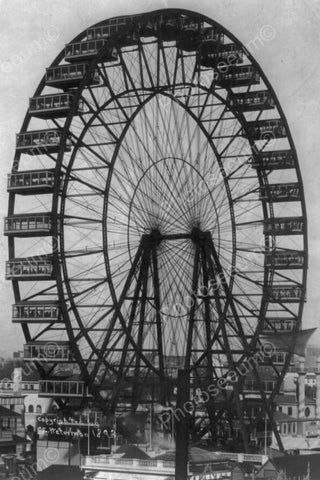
point(131, 451)
point(283, 417)
point(301, 443)
point(60, 472)
point(296, 466)
point(291, 399)
point(6, 412)
point(196, 455)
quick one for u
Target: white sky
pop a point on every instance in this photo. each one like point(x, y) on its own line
point(291, 61)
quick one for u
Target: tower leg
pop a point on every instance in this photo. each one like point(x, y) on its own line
point(182, 426)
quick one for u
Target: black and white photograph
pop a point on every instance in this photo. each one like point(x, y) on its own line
point(160, 240)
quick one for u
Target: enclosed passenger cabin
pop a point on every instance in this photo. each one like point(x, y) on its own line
point(238, 76)
point(284, 226)
point(31, 182)
point(277, 324)
point(189, 38)
point(274, 160)
point(36, 312)
point(47, 351)
point(30, 268)
point(122, 31)
point(211, 40)
point(265, 129)
point(281, 192)
point(169, 26)
point(62, 388)
point(285, 294)
point(70, 76)
point(249, 101)
point(53, 106)
point(40, 142)
point(282, 260)
point(222, 57)
point(87, 50)
point(148, 27)
point(28, 225)
point(111, 27)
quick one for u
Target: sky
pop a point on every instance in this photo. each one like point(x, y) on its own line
point(33, 32)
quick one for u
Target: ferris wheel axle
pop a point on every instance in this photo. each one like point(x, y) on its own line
point(196, 235)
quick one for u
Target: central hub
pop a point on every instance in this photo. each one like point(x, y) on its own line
point(198, 236)
point(155, 236)
point(172, 195)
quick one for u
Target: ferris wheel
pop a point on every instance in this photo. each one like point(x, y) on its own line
point(156, 220)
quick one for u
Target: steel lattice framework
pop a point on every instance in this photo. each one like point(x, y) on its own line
point(156, 220)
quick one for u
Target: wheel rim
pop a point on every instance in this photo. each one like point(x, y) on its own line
point(136, 105)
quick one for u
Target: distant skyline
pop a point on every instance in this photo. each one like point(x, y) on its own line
point(35, 31)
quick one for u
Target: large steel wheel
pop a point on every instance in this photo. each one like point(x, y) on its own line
point(174, 202)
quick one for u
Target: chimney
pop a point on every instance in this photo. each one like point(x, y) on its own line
point(301, 389)
point(318, 390)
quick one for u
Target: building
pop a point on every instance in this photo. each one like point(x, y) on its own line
point(268, 471)
point(12, 434)
point(203, 465)
point(299, 467)
point(59, 471)
point(297, 414)
point(20, 405)
point(287, 424)
point(20, 392)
